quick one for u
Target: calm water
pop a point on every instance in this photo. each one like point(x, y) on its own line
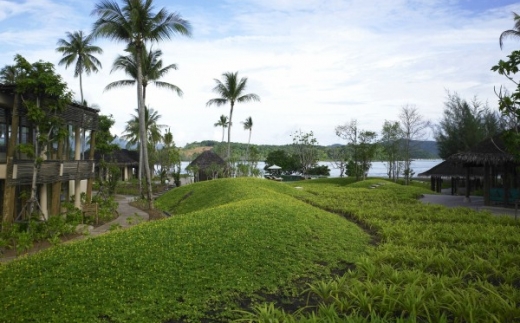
point(378, 169)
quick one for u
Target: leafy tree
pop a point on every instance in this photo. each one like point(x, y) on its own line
point(9, 74)
point(349, 133)
point(44, 94)
point(78, 48)
point(305, 149)
point(322, 170)
point(515, 33)
point(464, 124)
point(222, 122)
point(509, 103)
point(338, 157)
point(169, 159)
point(105, 146)
point(248, 125)
point(136, 24)
point(413, 128)
point(231, 90)
point(391, 147)
point(288, 163)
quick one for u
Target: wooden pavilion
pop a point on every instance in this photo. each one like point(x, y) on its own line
point(208, 165)
point(499, 169)
point(457, 174)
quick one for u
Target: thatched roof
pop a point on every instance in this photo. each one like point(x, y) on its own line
point(491, 151)
point(206, 159)
point(448, 169)
point(121, 157)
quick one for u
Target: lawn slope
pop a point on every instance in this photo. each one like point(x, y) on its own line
point(231, 243)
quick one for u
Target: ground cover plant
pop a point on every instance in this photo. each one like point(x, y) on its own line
point(231, 244)
point(431, 263)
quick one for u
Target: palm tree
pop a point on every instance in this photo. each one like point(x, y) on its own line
point(135, 24)
point(248, 125)
point(79, 49)
point(153, 129)
point(232, 91)
point(511, 32)
point(153, 70)
point(9, 74)
point(222, 122)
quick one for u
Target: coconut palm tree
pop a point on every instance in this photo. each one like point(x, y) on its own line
point(153, 70)
point(9, 74)
point(222, 122)
point(231, 90)
point(78, 49)
point(511, 32)
point(153, 128)
point(135, 24)
point(248, 125)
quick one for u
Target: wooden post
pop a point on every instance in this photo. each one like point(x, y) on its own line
point(91, 158)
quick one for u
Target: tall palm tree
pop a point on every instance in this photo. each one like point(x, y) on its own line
point(9, 74)
point(153, 128)
point(78, 49)
point(248, 125)
point(222, 122)
point(231, 90)
point(136, 24)
point(511, 32)
point(153, 70)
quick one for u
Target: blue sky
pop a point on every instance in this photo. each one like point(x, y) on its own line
point(315, 64)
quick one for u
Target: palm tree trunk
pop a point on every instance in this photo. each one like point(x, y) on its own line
point(81, 87)
point(229, 131)
point(247, 148)
point(142, 128)
point(223, 128)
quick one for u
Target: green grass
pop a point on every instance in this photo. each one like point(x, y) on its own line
point(232, 242)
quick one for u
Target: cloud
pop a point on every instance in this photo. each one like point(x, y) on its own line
point(315, 64)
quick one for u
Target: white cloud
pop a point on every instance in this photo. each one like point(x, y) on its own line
point(315, 64)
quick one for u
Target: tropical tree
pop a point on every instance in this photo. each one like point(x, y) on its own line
point(44, 94)
point(222, 122)
point(248, 125)
point(464, 124)
point(515, 33)
point(153, 70)
point(136, 24)
point(78, 49)
point(231, 90)
point(9, 74)
point(153, 129)
point(413, 128)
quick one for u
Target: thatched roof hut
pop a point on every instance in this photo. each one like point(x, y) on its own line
point(491, 151)
point(490, 154)
point(209, 165)
point(448, 169)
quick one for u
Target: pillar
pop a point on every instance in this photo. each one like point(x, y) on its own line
point(77, 156)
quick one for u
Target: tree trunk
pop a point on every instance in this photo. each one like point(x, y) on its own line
point(56, 187)
point(229, 131)
point(223, 132)
point(81, 88)
point(142, 128)
point(9, 191)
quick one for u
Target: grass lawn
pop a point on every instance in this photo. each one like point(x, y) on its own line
point(232, 243)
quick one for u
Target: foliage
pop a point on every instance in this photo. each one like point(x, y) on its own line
point(509, 103)
point(390, 144)
point(413, 128)
point(198, 265)
point(304, 145)
point(360, 149)
point(464, 124)
point(289, 163)
point(322, 170)
point(78, 48)
point(231, 90)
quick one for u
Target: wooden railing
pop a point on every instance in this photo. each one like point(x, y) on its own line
point(50, 171)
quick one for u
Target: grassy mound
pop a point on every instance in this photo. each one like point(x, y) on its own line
point(232, 243)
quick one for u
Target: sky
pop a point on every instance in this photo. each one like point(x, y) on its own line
point(316, 64)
